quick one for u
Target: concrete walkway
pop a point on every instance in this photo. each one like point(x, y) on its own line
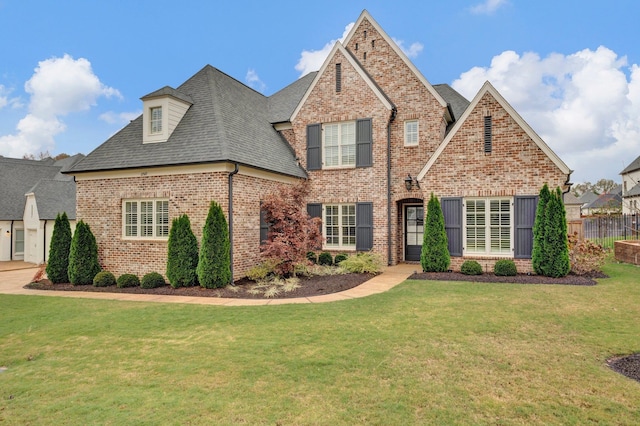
point(12, 281)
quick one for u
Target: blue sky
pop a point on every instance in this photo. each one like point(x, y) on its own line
point(72, 72)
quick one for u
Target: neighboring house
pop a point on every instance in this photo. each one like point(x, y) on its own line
point(370, 134)
point(631, 188)
point(586, 199)
point(572, 206)
point(607, 203)
point(32, 194)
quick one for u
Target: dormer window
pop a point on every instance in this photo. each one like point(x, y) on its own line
point(156, 119)
point(163, 110)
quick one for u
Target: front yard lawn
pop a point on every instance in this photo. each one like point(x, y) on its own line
point(426, 352)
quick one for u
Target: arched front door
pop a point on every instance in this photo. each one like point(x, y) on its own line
point(413, 229)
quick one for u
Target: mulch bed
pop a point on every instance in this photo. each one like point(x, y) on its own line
point(626, 365)
point(570, 279)
point(309, 286)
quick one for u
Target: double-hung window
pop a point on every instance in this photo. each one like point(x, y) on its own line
point(156, 119)
point(411, 133)
point(339, 144)
point(340, 226)
point(146, 218)
point(488, 227)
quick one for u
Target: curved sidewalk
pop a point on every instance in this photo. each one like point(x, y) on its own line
point(13, 281)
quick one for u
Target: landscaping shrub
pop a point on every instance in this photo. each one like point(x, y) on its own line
point(152, 280)
point(339, 258)
point(505, 268)
point(586, 257)
point(538, 260)
point(214, 262)
point(58, 263)
point(312, 257)
point(128, 280)
point(325, 259)
point(366, 262)
point(435, 254)
point(292, 231)
point(471, 267)
point(104, 279)
point(261, 271)
point(182, 254)
point(83, 256)
point(550, 256)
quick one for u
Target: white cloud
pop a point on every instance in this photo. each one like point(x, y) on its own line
point(586, 105)
point(6, 100)
point(122, 118)
point(59, 86)
point(311, 60)
point(253, 80)
point(488, 7)
point(413, 50)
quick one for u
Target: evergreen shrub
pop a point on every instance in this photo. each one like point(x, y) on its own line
point(152, 280)
point(59, 248)
point(83, 256)
point(471, 267)
point(214, 261)
point(182, 254)
point(339, 258)
point(128, 280)
point(505, 268)
point(325, 259)
point(104, 279)
point(435, 253)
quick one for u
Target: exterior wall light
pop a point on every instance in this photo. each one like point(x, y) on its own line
point(409, 182)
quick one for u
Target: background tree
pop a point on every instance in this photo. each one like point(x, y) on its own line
point(83, 256)
point(292, 232)
point(539, 227)
point(602, 186)
point(214, 262)
point(182, 254)
point(435, 254)
point(58, 264)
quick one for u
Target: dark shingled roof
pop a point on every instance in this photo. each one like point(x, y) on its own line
point(166, 90)
point(633, 191)
point(283, 103)
point(458, 102)
point(55, 196)
point(20, 176)
point(227, 122)
point(635, 165)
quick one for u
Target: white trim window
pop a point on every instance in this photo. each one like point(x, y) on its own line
point(145, 219)
point(488, 226)
point(18, 242)
point(339, 226)
point(155, 120)
point(411, 133)
point(339, 144)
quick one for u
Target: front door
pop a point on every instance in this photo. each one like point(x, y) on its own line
point(413, 228)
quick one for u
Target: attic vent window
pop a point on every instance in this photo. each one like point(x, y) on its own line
point(356, 47)
point(338, 77)
point(365, 33)
point(487, 134)
point(364, 56)
point(156, 119)
point(373, 44)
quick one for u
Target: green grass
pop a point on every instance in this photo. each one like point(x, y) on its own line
point(422, 353)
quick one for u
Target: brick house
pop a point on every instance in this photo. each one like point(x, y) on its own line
point(370, 134)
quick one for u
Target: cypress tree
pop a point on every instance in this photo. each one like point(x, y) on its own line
point(539, 227)
point(435, 254)
point(214, 262)
point(556, 245)
point(83, 256)
point(182, 254)
point(58, 264)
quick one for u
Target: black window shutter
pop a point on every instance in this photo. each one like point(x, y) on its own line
point(452, 212)
point(364, 226)
point(364, 143)
point(315, 210)
point(524, 211)
point(314, 147)
point(487, 134)
point(264, 226)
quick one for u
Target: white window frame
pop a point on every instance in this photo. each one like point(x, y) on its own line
point(16, 240)
point(339, 135)
point(145, 219)
point(492, 227)
point(345, 228)
point(155, 123)
point(411, 136)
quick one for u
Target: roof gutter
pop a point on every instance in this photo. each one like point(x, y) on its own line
point(392, 117)
point(231, 174)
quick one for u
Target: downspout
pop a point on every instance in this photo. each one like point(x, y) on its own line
point(44, 247)
point(11, 241)
point(235, 171)
point(392, 117)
